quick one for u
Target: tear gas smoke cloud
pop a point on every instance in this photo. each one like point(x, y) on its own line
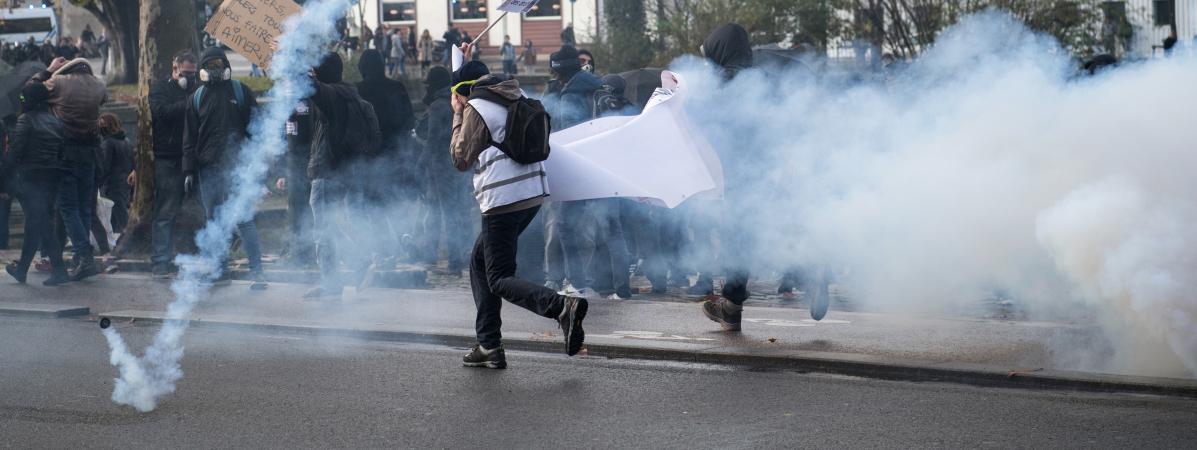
point(144, 380)
point(986, 166)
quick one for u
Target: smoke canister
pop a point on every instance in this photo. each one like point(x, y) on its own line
point(105, 323)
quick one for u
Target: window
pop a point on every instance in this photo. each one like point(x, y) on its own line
point(1164, 12)
point(546, 8)
point(467, 9)
point(399, 11)
point(19, 26)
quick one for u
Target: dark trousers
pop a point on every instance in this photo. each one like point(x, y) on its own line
point(492, 276)
point(120, 206)
point(37, 191)
point(168, 200)
point(564, 243)
point(300, 243)
point(214, 190)
point(608, 262)
point(76, 204)
point(5, 211)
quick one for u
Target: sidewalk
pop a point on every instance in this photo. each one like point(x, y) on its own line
point(990, 352)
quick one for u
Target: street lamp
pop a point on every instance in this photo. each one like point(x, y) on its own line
point(572, 5)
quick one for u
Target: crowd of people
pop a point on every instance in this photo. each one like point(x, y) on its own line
point(368, 183)
point(87, 46)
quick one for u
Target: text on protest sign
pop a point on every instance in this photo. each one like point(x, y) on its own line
point(517, 6)
point(249, 26)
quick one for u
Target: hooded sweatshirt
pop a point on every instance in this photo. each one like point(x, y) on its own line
point(213, 133)
point(389, 98)
point(330, 108)
point(573, 102)
point(730, 48)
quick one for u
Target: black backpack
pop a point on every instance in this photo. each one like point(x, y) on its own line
point(362, 135)
point(528, 129)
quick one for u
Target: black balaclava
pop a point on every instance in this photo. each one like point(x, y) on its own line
point(436, 81)
point(593, 64)
point(371, 65)
point(35, 96)
point(565, 62)
point(330, 68)
point(730, 48)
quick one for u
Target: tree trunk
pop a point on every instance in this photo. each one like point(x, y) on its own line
point(160, 22)
point(120, 19)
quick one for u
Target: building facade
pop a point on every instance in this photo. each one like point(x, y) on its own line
point(542, 26)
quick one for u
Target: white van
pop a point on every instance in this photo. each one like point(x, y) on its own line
point(17, 25)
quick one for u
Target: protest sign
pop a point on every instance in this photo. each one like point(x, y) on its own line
point(249, 26)
point(517, 6)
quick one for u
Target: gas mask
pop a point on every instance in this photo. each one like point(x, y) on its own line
point(211, 77)
point(186, 81)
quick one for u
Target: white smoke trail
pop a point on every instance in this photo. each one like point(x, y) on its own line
point(986, 166)
point(144, 380)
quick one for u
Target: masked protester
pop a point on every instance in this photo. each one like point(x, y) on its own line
point(509, 195)
point(35, 146)
point(338, 115)
point(447, 190)
point(299, 250)
point(587, 60)
point(569, 101)
point(215, 125)
point(168, 107)
point(75, 96)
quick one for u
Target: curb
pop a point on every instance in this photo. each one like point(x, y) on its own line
point(867, 366)
point(392, 279)
point(42, 310)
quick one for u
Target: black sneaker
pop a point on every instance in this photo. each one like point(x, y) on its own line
point(480, 357)
point(16, 272)
point(160, 272)
point(57, 278)
point(723, 311)
point(571, 324)
point(87, 268)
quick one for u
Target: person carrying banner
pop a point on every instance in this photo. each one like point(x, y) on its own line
point(509, 193)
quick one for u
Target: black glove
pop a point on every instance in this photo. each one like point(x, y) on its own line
point(188, 185)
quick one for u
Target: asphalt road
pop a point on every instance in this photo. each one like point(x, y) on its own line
point(254, 389)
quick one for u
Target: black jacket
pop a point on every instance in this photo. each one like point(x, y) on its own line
point(330, 108)
point(36, 141)
point(572, 103)
point(168, 108)
point(436, 131)
point(299, 133)
point(213, 133)
point(113, 163)
point(389, 98)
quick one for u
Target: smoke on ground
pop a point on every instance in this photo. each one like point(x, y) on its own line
point(145, 379)
point(986, 167)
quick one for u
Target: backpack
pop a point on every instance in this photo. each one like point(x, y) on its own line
point(238, 93)
point(362, 135)
point(528, 128)
point(607, 102)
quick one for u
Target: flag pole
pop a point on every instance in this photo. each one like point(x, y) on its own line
point(488, 27)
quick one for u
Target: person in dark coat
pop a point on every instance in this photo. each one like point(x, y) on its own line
point(215, 125)
point(448, 191)
point(300, 247)
point(331, 169)
point(168, 107)
point(34, 156)
point(392, 177)
point(116, 161)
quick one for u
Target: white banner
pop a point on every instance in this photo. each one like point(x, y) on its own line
point(656, 157)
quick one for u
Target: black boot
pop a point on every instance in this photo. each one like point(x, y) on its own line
point(17, 272)
point(87, 268)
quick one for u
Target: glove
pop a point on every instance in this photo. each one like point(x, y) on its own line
point(188, 185)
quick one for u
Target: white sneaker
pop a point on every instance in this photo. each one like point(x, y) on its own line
point(615, 297)
point(569, 290)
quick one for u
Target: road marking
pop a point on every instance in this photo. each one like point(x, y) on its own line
point(652, 335)
point(791, 323)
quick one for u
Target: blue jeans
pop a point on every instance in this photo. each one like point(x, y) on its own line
point(76, 204)
point(608, 262)
point(564, 245)
point(330, 200)
point(214, 190)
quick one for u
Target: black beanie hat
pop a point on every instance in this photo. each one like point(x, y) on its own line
point(213, 53)
point(330, 68)
point(616, 82)
point(565, 61)
point(438, 78)
point(34, 95)
point(470, 71)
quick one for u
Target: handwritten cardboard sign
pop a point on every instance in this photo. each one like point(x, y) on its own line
point(249, 26)
point(517, 6)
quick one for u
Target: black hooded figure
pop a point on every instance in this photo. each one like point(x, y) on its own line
point(389, 97)
point(730, 49)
